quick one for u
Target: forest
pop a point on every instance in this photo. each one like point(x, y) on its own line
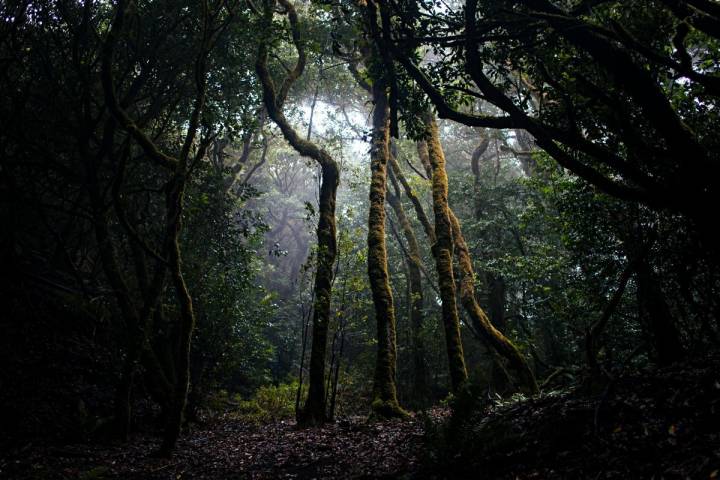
point(314, 239)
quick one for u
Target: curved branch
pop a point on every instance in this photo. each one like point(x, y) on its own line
point(444, 110)
point(108, 84)
point(301, 61)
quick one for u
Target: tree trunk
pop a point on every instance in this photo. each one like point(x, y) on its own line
point(314, 411)
point(385, 402)
point(175, 200)
point(179, 168)
point(495, 339)
point(443, 253)
point(655, 314)
point(415, 291)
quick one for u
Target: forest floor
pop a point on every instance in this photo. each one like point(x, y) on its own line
point(659, 424)
point(227, 448)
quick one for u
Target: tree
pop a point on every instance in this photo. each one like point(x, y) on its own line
point(179, 168)
point(596, 88)
point(443, 250)
point(130, 122)
point(314, 411)
point(385, 392)
point(415, 300)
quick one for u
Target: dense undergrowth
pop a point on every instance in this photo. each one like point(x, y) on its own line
point(643, 424)
point(269, 404)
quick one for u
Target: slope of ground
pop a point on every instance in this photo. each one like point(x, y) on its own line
point(658, 424)
point(654, 424)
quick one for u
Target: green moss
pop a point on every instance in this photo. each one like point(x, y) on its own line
point(443, 253)
point(269, 404)
point(383, 409)
point(501, 344)
point(384, 388)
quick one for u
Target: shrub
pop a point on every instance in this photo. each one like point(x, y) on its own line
point(269, 404)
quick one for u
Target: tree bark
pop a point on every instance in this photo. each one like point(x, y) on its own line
point(314, 411)
point(415, 293)
point(443, 253)
point(385, 402)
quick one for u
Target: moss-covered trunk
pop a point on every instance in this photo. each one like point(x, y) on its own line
point(443, 253)
point(385, 401)
point(314, 410)
point(176, 410)
point(415, 293)
point(495, 339)
point(179, 169)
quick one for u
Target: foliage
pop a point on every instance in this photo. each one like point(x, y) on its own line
point(616, 101)
point(647, 423)
point(270, 403)
point(222, 238)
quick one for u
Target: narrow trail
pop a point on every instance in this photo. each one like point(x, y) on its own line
point(232, 449)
